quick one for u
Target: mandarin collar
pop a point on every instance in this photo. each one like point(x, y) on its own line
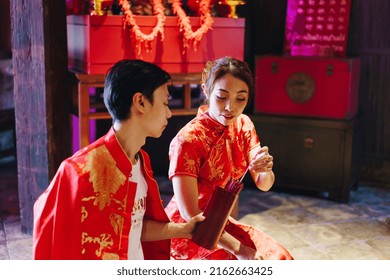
point(112, 144)
point(204, 117)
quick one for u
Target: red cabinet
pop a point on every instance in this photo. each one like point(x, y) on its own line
point(319, 87)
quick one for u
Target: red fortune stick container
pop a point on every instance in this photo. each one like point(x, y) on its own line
point(216, 212)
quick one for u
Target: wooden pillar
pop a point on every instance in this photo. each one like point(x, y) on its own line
point(39, 55)
point(369, 39)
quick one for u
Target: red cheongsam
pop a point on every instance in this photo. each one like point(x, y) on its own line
point(213, 153)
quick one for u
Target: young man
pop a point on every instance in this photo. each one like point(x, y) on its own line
point(104, 203)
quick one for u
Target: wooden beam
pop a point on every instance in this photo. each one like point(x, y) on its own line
point(39, 54)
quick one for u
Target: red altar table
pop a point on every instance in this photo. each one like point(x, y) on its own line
point(97, 42)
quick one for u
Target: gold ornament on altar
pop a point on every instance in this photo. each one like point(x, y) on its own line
point(100, 7)
point(97, 8)
point(233, 4)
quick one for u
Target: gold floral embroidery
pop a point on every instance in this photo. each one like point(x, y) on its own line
point(84, 213)
point(110, 256)
point(104, 241)
point(121, 203)
point(116, 222)
point(235, 165)
point(189, 164)
point(216, 167)
point(105, 176)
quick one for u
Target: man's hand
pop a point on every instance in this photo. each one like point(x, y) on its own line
point(190, 226)
point(153, 230)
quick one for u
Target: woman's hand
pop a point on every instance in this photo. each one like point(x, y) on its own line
point(262, 161)
point(261, 168)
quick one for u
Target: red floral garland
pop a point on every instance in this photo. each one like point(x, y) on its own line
point(142, 39)
point(189, 36)
point(206, 20)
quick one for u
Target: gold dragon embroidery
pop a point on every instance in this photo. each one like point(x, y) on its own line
point(105, 176)
point(116, 223)
point(104, 241)
point(216, 166)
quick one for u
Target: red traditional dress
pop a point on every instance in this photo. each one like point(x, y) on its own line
point(86, 211)
point(213, 153)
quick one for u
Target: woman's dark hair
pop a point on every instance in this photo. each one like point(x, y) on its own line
point(213, 71)
point(127, 77)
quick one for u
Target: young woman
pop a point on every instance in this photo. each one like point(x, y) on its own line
point(218, 144)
